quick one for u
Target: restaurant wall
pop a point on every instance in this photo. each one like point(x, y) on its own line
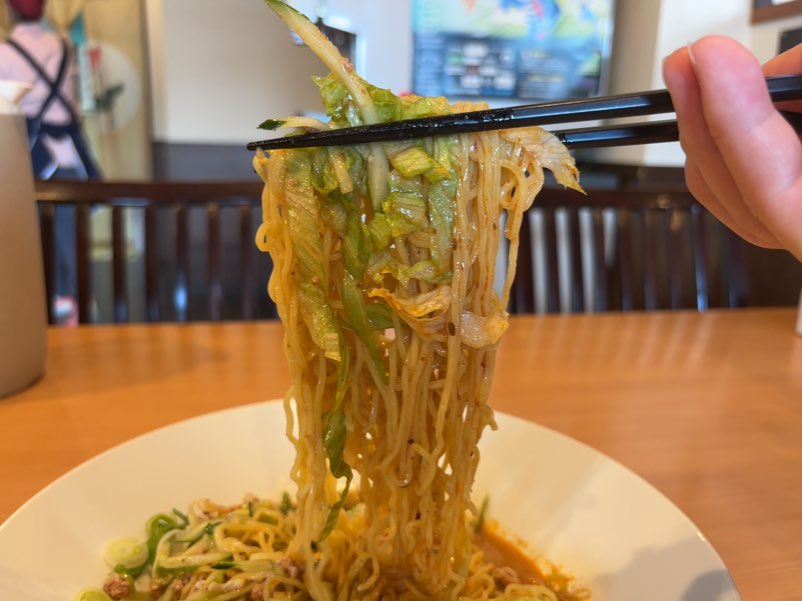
point(219, 68)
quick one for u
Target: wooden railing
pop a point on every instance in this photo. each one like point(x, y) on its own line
point(643, 248)
point(158, 201)
point(640, 247)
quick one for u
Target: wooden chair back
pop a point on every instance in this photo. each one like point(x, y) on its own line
point(175, 206)
point(626, 249)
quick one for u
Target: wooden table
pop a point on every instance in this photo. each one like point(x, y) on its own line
point(707, 407)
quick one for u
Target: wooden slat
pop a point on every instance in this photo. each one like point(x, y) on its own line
point(522, 294)
point(552, 263)
point(650, 236)
point(736, 273)
point(247, 270)
point(213, 261)
point(627, 271)
point(47, 216)
point(637, 224)
point(600, 262)
point(181, 290)
point(675, 252)
point(118, 261)
point(83, 267)
point(152, 311)
point(575, 245)
point(700, 258)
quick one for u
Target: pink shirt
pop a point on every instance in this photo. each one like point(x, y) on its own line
point(45, 47)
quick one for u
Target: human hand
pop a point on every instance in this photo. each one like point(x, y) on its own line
point(744, 161)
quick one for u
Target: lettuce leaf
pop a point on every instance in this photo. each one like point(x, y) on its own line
point(340, 106)
point(442, 206)
point(354, 302)
point(406, 213)
point(355, 247)
point(334, 435)
point(303, 221)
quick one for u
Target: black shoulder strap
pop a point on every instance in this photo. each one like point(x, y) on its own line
point(53, 84)
point(31, 61)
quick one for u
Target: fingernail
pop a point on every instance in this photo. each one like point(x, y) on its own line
point(689, 47)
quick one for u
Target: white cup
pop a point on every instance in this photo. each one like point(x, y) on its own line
point(23, 309)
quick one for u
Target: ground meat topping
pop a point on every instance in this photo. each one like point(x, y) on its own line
point(116, 586)
point(180, 582)
point(504, 576)
point(257, 591)
point(290, 567)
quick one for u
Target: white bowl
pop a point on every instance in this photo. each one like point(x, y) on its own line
point(579, 508)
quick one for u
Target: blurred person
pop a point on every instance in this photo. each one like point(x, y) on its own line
point(743, 159)
point(36, 55)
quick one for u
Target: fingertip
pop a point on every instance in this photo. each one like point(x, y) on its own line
point(715, 52)
point(673, 66)
point(679, 75)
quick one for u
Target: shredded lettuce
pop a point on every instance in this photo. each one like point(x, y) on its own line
point(442, 205)
point(403, 184)
point(355, 246)
point(379, 315)
point(334, 435)
point(334, 215)
point(426, 271)
point(336, 101)
point(379, 231)
point(418, 107)
point(406, 213)
point(324, 179)
point(303, 221)
point(412, 161)
point(383, 263)
point(442, 211)
point(354, 303)
point(419, 305)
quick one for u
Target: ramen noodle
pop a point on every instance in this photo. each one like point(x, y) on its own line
point(384, 268)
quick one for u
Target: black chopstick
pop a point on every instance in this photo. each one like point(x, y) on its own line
point(606, 136)
point(787, 87)
point(653, 132)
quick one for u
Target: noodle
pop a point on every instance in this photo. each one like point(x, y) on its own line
point(409, 395)
point(384, 268)
point(412, 435)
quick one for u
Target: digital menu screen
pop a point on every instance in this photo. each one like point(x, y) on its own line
point(538, 50)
